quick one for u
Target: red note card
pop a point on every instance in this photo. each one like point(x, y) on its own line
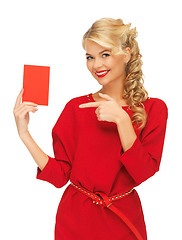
point(36, 84)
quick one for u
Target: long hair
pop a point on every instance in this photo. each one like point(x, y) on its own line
point(114, 34)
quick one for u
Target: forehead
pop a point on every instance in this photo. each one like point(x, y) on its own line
point(92, 47)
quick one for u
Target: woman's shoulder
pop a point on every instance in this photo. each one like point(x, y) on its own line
point(67, 114)
point(155, 105)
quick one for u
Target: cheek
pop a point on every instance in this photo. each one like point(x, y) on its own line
point(89, 66)
point(118, 66)
point(110, 63)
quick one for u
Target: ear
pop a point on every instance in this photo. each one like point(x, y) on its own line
point(128, 54)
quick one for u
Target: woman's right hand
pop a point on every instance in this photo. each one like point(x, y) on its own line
point(21, 114)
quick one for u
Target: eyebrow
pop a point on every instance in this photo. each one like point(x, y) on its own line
point(100, 52)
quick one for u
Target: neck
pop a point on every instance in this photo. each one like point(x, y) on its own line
point(115, 88)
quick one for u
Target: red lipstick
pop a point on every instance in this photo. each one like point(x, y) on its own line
point(102, 73)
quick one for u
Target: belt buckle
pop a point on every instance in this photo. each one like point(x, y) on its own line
point(98, 195)
point(105, 198)
point(98, 201)
point(102, 200)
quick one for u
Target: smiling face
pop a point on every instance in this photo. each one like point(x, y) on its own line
point(103, 65)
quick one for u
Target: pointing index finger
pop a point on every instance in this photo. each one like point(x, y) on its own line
point(90, 104)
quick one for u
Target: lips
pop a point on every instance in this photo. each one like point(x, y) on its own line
point(102, 73)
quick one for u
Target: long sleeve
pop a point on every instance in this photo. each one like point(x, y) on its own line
point(58, 168)
point(143, 159)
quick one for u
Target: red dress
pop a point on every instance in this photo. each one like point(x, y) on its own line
point(89, 153)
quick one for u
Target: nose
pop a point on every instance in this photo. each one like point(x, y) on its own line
point(97, 63)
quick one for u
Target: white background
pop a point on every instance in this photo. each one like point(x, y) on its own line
point(49, 33)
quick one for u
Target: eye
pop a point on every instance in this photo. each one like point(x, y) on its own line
point(89, 58)
point(105, 55)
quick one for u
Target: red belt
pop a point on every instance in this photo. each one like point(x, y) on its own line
point(103, 199)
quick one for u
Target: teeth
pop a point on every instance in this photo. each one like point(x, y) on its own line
point(101, 73)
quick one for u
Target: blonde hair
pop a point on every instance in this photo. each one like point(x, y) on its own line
point(114, 34)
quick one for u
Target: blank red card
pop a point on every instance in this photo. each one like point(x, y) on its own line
point(36, 84)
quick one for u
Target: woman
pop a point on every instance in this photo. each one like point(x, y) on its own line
point(105, 143)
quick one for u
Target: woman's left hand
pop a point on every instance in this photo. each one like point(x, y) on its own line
point(108, 110)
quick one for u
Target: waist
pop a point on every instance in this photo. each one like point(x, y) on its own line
point(99, 197)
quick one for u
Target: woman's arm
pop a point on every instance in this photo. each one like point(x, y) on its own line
point(38, 155)
point(21, 113)
point(54, 170)
point(142, 159)
point(126, 132)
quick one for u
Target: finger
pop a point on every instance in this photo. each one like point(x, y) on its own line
point(18, 100)
point(105, 96)
point(23, 112)
point(30, 103)
point(96, 112)
point(24, 105)
point(90, 104)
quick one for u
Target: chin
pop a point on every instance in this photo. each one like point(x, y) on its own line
point(104, 82)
